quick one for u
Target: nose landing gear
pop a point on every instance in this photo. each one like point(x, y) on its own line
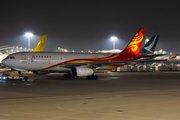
point(21, 75)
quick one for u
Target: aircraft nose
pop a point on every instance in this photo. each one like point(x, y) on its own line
point(4, 62)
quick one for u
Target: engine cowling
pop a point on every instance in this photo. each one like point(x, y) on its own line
point(81, 71)
point(40, 72)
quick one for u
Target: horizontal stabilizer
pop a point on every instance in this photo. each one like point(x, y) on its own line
point(152, 55)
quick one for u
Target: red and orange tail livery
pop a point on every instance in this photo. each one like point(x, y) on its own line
point(134, 46)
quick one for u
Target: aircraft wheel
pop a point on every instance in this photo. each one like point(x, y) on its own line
point(92, 77)
point(65, 75)
point(68, 76)
point(95, 77)
point(25, 78)
point(87, 77)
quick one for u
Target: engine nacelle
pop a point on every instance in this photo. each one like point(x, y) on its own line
point(40, 72)
point(81, 71)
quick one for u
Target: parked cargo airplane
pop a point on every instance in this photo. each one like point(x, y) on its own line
point(75, 64)
point(147, 51)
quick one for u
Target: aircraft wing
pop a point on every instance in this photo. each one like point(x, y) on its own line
point(96, 64)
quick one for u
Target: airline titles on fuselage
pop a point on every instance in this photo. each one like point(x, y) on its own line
point(40, 56)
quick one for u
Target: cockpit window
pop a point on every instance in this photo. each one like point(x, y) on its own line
point(10, 57)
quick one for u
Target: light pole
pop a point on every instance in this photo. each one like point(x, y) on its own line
point(29, 35)
point(113, 39)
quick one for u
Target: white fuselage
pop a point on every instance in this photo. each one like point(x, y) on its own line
point(36, 61)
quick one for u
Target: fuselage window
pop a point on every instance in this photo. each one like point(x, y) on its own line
point(10, 57)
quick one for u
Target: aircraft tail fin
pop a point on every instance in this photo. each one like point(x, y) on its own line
point(40, 45)
point(150, 46)
point(135, 45)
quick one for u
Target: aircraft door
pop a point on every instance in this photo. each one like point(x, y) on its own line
point(29, 59)
point(23, 58)
point(26, 59)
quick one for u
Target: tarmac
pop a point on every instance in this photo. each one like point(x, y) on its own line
point(114, 96)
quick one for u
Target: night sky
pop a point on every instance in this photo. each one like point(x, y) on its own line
point(89, 24)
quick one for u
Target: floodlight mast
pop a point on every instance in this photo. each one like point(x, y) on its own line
point(29, 35)
point(113, 39)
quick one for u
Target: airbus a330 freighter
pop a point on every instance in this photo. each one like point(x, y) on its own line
point(75, 64)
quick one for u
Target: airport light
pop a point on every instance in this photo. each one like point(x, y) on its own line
point(113, 39)
point(146, 40)
point(29, 35)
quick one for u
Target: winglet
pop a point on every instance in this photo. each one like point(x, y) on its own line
point(40, 45)
point(173, 57)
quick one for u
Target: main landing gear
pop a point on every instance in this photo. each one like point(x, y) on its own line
point(68, 75)
point(92, 77)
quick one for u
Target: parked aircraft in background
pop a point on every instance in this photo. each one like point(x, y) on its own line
point(147, 51)
point(150, 46)
point(40, 45)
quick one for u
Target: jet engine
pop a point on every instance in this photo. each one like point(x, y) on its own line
point(81, 71)
point(40, 72)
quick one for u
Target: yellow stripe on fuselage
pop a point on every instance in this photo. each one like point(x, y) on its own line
point(108, 58)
